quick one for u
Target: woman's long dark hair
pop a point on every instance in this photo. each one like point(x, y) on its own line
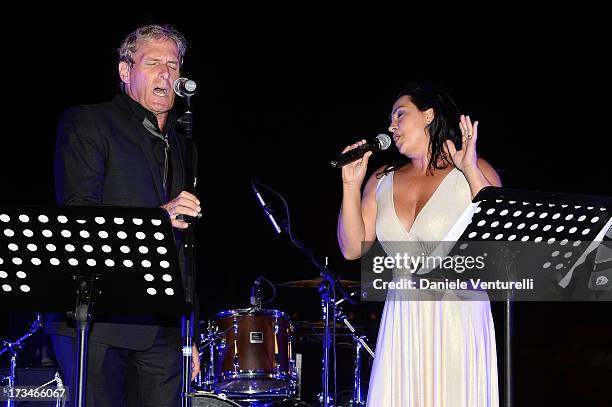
point(444, 126)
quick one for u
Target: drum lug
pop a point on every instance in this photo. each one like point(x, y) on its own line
point(236, 363)
point(276, 355)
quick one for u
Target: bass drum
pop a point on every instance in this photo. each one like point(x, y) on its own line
point(206, 399)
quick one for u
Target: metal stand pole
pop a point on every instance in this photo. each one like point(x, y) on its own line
point(324, 289)
point(508, 325)
point(11, 380)
point(359, 343)
point(357, 397)
point(82, 316)
point(187, 360)
point(190, 243)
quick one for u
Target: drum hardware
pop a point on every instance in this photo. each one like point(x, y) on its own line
point(13, 348)
point(314, 328)
point(352, 294)
point(256, 298)
point(360, 341)
point(316, 283)
point(250, 356)
point(60, 385)
point(208, 399)
point(327, 289)
point(236, 355)
point(337, 320)
point(211, 340)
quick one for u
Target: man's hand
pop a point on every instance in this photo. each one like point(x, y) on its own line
point(184, 204)
point(195, 362)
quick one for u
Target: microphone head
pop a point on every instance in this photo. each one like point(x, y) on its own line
point(190, 86)
point(184, 87)
point(384, 141)
point(177, 86)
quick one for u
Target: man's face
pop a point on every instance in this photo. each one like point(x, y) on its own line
point(150, 78)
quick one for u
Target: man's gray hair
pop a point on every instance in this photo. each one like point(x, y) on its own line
point(148, 33)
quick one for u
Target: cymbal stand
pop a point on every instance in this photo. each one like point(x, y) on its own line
point(327, 304)
point(209, 340)
point(14, 347)
point(360, 341)
point(60, 385)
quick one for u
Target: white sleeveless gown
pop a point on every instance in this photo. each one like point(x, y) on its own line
point(432, 353)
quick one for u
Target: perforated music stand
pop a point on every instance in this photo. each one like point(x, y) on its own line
point(539, 234)
point(122, 259)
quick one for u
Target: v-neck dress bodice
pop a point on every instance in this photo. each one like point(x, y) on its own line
point(434, 220)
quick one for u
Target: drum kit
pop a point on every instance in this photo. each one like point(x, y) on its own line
point(248, 355)
point(249, 358)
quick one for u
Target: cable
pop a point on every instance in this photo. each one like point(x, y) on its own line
point(293, 240)
point(273, 290)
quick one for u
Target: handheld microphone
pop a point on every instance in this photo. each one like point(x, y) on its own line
point(381, 142)
point(189, 219)
point(184, 87)
point(256, 294)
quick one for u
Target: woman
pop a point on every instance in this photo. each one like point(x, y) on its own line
point(428, 353)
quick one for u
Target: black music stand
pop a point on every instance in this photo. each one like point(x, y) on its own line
point(122, 259)
point(542, 235)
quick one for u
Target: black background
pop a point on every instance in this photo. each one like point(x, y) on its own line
point(280, 94)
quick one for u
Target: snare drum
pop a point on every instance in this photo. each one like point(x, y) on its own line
point(253, 354)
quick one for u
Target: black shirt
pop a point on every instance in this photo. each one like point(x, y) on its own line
point(164, 145)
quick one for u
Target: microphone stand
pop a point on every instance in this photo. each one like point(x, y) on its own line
point(267, 209)
point(327, 290)
point(188, 319)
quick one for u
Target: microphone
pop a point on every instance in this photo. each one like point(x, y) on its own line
point(381, 142)
point(267, 209)
point(184, 87)
point(189, 219)
point(256, 294)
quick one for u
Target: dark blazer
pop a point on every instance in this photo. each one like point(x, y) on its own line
point(104, 156)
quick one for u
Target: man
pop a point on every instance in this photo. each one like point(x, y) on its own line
point(129, 152)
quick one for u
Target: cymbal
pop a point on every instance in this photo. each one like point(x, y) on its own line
point(316, 282)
